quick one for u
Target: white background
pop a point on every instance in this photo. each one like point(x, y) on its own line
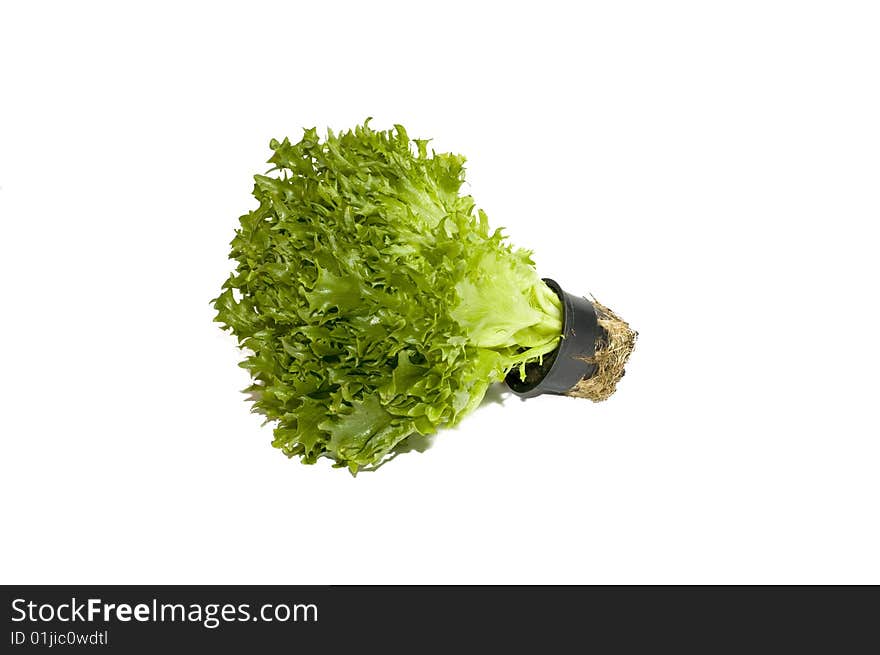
point(709, 170)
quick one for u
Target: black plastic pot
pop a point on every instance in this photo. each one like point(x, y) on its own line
point(562, 368)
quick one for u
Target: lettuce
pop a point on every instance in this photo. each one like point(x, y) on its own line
point(371, 298)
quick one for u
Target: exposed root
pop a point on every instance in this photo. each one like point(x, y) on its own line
point(613, 348)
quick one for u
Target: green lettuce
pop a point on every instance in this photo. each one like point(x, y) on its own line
point(371, 298)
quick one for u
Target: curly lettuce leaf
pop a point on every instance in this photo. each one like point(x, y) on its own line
point(370, 297)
